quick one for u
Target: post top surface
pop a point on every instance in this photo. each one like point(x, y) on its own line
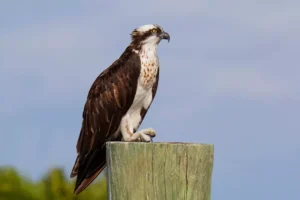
point(158, 143)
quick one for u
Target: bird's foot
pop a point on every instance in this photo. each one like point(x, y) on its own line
point(147, 135)
point(144, 135)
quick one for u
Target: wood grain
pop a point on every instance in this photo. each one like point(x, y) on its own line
point(159, 171)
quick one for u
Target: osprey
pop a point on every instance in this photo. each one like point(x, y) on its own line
point(117, 103)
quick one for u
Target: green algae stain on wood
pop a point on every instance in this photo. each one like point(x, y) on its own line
point(159, 171)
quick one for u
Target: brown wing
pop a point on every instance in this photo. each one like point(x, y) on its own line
point(109, 98)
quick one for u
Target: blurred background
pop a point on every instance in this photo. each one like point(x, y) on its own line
point(229, 77)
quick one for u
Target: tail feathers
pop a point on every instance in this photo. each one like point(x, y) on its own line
point(75, 168)
point(87, 181)
point(88, 169)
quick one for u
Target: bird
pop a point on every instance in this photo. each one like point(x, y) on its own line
point(117, 103)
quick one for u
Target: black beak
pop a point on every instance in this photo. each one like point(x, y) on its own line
point(165, 36)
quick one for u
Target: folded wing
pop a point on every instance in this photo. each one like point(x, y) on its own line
point(109, 98)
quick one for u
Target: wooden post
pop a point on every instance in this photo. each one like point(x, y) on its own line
point(159, 171)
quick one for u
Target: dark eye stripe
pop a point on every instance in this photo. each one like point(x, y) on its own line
point(137, 37)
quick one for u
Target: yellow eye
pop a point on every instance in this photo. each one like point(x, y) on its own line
point(154, 30)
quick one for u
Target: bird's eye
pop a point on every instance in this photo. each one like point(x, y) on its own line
point(154, 30)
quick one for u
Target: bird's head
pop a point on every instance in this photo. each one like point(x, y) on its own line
point(148, 34)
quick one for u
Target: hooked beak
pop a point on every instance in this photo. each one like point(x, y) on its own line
point(165, 36)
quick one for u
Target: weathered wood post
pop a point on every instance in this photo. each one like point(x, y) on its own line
point(159, 171)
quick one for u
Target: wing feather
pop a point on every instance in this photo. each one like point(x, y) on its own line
point(109, 98)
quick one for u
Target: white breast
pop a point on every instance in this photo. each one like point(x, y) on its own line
point(149, 66)
point(143, 96)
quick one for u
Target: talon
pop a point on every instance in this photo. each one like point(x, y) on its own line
point(145, 138)
point(145, 135)
point(150, 132)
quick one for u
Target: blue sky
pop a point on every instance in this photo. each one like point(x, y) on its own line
point(229, 77)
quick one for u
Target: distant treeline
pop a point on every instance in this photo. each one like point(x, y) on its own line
point(53, 186)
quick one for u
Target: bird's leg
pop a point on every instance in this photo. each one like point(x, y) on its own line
point(144, 135)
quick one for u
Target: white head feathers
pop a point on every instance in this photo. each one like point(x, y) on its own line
point(147, 27)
